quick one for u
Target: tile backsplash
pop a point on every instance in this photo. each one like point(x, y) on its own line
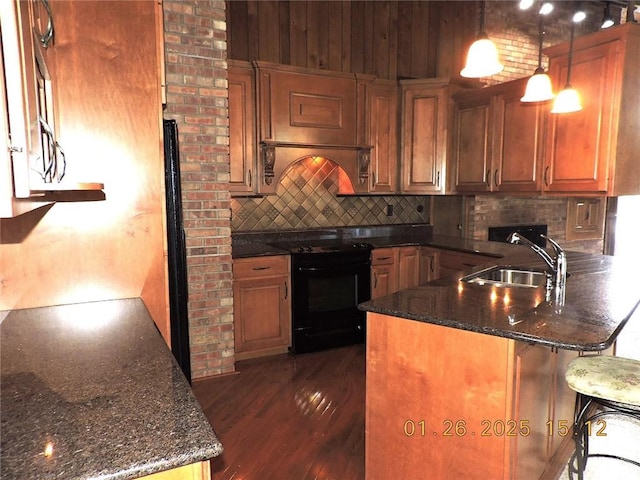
point(307, 198)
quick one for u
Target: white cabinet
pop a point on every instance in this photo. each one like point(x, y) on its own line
point(32, 162)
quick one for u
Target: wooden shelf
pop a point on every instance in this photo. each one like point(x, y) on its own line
point(68, 187)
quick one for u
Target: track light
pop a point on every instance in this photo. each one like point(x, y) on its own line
point(579, 14)
point(482, 58)
point(546, 8)
point(607, 19)
point(525, 4)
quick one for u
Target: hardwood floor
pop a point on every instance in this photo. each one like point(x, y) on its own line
point(290, 417)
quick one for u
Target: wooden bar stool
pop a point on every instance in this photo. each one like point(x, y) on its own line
point(613, 385)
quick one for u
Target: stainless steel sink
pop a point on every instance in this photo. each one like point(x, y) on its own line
point(508, 276)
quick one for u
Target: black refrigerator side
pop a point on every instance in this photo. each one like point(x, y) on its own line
point(177, 255)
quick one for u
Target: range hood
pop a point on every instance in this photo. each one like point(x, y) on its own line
point(310, 113)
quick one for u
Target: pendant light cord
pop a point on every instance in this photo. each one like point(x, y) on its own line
point(540, 33)
point(482, 7)
point(570, 54)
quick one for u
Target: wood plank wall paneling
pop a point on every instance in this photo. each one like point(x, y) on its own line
point(388, 39)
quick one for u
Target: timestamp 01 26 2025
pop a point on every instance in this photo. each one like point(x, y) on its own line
point(496, 428)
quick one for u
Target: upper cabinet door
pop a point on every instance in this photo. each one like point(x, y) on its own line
point(472, 142)
point(424, 145)
point(22, 95)
point(578, 149)
point(595, 150)
point(242, 128)
point(498, 140)
point(518, 141)
point(382, 116)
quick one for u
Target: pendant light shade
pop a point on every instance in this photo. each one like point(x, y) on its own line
point(568, 100)
point(482, 58)
point(539, 87)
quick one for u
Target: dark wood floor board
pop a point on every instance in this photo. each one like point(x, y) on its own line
point(290, 417)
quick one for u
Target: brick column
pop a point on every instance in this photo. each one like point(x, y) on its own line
point(196, 67)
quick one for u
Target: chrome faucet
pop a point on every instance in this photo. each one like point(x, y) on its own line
point(557, 266)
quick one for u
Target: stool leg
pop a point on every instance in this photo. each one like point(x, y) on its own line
point(580, 437)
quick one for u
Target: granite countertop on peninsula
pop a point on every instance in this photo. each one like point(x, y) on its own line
point(96, 382)
point(601, 295)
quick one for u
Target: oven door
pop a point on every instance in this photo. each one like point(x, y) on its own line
point(327, 289)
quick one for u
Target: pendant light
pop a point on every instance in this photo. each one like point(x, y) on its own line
point(568, 100)
point(539, 87)
point(482, 58)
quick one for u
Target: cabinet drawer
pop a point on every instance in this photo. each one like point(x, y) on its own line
point(383, 256)
point(261, 266)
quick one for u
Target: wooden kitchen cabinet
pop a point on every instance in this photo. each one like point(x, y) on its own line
point(532, 402)
point(498, 140)
point(262, 306)
point(451, 262)
point(425, 126)
point(429, 264)
point(381, 124)
point(21, 132)
point(32, 162)
point(408, 267)
point(466, 404)
point(384, 272)
point(242, 128)
point(595, 150)
point(397, 268)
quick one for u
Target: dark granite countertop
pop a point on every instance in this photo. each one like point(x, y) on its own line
point(601, 295)
point(97, 383)
point(258, 244)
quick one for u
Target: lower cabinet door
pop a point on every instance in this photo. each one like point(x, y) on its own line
point(262, 316)
point(533, 368)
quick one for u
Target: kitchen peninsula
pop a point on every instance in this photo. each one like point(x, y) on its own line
point(467, 380)
point(91, 390)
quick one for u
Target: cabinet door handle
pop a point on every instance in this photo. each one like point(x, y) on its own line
point(438, 179)
point(469, 264)
point(375, 280)
point(250, 178)
point(495, 178)
point(383, 258)
point(488, 178)
point(546, 176)
point(286, 290)
point(373, 179)
point(431, 265)
point(47, 36)
point(260, 268)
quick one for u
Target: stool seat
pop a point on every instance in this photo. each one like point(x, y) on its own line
point(611, 378)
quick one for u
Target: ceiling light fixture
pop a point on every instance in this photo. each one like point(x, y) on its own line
point(546, 8)
point(482, 58)
point(607, 18)
point(525, 4)
point(579, 14)
point(568, 100)
point(539, 87)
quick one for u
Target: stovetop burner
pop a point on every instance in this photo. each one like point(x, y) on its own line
point(323, 246)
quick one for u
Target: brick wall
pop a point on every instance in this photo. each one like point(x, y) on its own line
point(515, 33)
point(490, 211)
point(195, 55)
